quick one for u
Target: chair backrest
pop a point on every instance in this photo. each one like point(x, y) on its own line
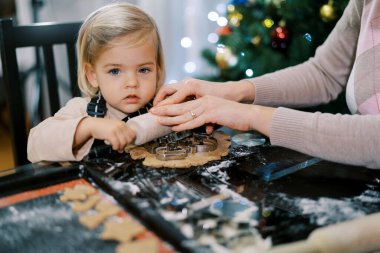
point(42, 37)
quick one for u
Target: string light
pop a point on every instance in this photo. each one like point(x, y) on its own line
point(213, 16)
point(186, 42)
point(307, 37)
point(249, 72)
point(268, 23)
point(222, 21)
point(212, 38)
point(190, 67)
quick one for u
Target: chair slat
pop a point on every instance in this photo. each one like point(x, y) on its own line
point(43, 35)
point(52, 82)
point(72, 66)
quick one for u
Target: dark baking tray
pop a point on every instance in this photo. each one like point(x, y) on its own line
point(282, 215)
point(37, 227)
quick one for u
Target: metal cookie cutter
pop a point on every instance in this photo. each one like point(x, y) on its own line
point(170, 152)
point(176, 146)
point(205, 142)
point(174, 137)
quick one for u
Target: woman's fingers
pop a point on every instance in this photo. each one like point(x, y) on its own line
point(191, 124)
point(176, 93)
point(173, 109)
point(207, 110)
point(176, 97)
point(165, 92)
point(178, 118)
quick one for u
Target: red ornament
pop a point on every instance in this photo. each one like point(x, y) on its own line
point(280, 37)
point(224, 30)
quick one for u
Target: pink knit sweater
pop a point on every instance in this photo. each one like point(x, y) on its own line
point(349, 59)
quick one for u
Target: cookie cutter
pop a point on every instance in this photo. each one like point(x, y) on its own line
point(170, 152)
point(165, 140)
point(204, 142)
point(176, 146)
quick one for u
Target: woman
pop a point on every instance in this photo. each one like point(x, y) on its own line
point(349, 59)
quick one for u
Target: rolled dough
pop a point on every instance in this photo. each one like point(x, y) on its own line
point(195, 159)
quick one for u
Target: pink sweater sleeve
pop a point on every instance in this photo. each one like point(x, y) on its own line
point(52, 139)
point(350, 139)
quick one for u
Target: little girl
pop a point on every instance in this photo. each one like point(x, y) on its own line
point(120, 68)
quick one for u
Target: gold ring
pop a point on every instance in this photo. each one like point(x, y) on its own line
point(193, 115)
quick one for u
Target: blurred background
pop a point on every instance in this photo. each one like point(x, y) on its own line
point(216, 40)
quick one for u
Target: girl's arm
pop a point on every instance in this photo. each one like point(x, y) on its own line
point(52, 139)
point(114, 131)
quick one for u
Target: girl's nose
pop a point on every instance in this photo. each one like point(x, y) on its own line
point(131, 82)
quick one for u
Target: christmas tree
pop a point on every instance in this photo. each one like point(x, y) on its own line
point(262, 36)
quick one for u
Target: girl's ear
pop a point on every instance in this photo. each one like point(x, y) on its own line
point(91, 75)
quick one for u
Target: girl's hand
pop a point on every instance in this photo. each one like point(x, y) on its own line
point(115, 132)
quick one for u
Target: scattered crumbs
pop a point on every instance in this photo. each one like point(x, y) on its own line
point(125, 186)
point(216, 171)
point(324, 211)
point(223, 164)
point(36, 215)
point(327, 211)
point(241, 153)
point(369, 196)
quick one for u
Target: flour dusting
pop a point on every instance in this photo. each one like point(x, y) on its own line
point(324, 211)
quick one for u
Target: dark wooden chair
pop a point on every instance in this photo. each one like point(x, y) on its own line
point(42, 37)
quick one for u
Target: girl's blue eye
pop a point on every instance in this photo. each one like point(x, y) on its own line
point(144, 70)
point(114, 71)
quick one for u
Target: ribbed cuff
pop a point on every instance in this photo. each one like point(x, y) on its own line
point(288, 128)
point(264, 90)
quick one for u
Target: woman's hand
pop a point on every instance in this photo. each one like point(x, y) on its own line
point(194, 88)
point(115, 132)
point(214, 110)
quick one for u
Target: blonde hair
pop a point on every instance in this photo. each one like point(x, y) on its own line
point(110, 22)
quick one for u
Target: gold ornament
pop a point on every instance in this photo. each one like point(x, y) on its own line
point(225, 58)
point(327, 12)
point(282, 23)
point(235, 18)
point(256, 40)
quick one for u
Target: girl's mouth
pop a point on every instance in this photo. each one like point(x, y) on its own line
point(132, 99)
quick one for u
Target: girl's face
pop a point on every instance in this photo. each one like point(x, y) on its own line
point(126, 76)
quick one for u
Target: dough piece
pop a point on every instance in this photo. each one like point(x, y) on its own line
point(121, 231)
point(94, 220)
point(84, 188)
point(149, 245)
point(103, 206)
point(195, 159)
point(71, 194)
point(78, 192)
point(86, 205)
